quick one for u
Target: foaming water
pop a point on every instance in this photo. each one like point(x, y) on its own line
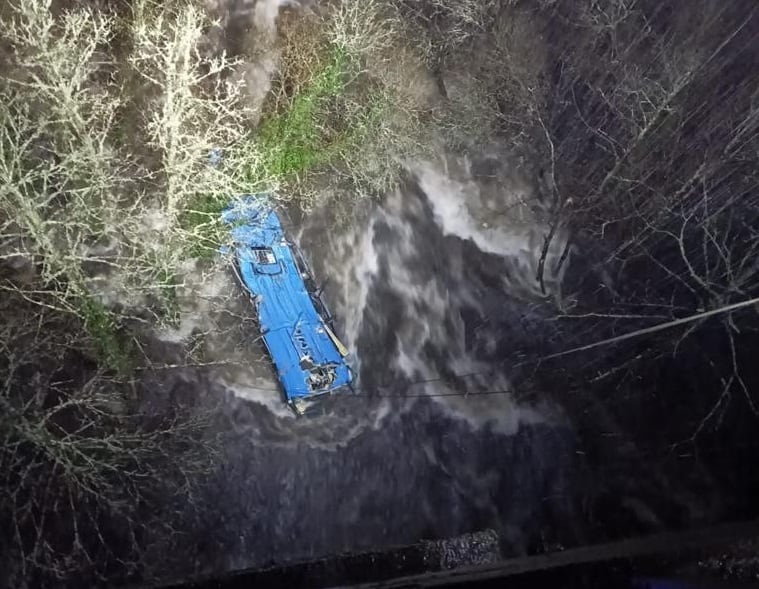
point(259, 413)
point(266, 12)
point(435, 443)
point(408, 282)
point(427, 287)
point(420, 287)
point(504, 217)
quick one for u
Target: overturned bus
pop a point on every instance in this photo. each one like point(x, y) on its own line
point(296, 327)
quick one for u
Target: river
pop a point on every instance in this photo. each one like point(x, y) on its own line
point(431, 299)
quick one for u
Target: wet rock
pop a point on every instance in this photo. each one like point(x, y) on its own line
point(477, 548)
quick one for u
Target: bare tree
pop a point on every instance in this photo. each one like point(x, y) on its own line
point(81, 462)
point(91, 238)
point(650, 117)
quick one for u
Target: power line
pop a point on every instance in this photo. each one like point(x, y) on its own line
point(655, 328)
point(619, 338)
point(377, 393)
point(607, 341)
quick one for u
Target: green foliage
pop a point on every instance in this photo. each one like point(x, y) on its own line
point(295, 141)
point(325, 124)
point(202, 220)
point(290, 143)
point(322, 124)
point(168, 300)
point(111, 347)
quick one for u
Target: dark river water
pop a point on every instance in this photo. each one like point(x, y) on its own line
point(433, 290)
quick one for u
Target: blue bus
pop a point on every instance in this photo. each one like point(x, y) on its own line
point(309, 359)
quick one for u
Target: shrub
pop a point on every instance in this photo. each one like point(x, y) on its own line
point(337, 124)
